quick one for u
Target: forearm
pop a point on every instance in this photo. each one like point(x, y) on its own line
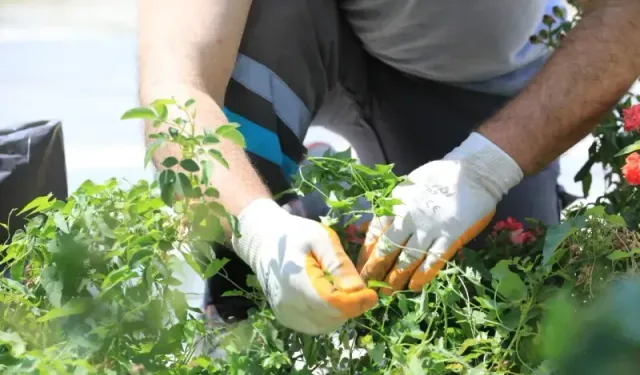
point(597, 63)
point(239, 184)
point(192, 56)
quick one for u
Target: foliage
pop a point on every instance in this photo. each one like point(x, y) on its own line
point(612, 140)
point(94, 285)
point(93, 280)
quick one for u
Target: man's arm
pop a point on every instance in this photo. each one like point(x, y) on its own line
point(187, 49)
point(597, 63)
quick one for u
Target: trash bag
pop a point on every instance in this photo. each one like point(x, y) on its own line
point(32, 164)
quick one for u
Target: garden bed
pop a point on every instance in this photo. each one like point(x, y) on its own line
point(93, 287)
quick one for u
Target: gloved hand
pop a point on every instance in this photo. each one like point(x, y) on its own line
point(446, 203)
point(290, 256)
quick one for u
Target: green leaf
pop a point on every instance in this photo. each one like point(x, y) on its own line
point(163, 102)
point(559, 327)
point(618, 254)
point(142, 113)
point(378, 284)
point(60, 222)
point(212, 192)
point(116, 277)
point(183, 185)
point(629, 149)
point(210, 139)
point(141, 188)
point(170, 162)
point(16, 344)
point(207, 172)
point(233, 293)
point(174, 132)
point(189, 165)
point(214, 267)
point(166, 178)
point(151, 149)
point(557, 234)
point(217, 155)
point(17, 269)
point(38, 205)
point(217, 208)
point(162, 111)
point(231, 132)
point(586, 184)
point(507, 283)
point(189, 103)
point(73, 307)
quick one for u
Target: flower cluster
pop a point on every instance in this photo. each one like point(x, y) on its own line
point(517, 234)
point(631, 170)
point(631, 117)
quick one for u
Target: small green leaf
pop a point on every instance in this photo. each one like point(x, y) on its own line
point(116, 277)
point(38, 205)
point(174, 132)
point(210, 139)
point(207, 172)
point(231, 132)
point(17, 345)
point(17, 269)
point(60, 222)
point(163, 102)
point(507, 283)
point(217, 208)
point(166, 180)
point(217, 155)
point(170, 162)
point(189, 165)
point(142, 113)
point(166, 177)
point(629, 149)
point(233, 293)
point(212, 192)
point(73, 307)
point(138, 256)
point(214, 267)
point(618, 254)
point(183, 185)
point(378, 284)
point(151, 149)
point(189, 103)
point(168, 195)
point(557, 234)
point(162, 111)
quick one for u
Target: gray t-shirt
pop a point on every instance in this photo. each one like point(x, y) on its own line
point(480, 44)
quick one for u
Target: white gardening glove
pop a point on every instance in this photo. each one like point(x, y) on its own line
point(446, 203)
point(308, 279)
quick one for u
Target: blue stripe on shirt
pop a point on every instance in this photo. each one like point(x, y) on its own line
point(263, 142)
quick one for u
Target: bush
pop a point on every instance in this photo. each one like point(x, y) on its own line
point(93, 287)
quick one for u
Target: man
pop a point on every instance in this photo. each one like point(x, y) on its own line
point(456, 95)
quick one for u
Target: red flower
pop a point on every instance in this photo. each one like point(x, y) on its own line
point(631, 170)
point(520, 237)
point(631, 118)
point(509, 224)
point(353, 234)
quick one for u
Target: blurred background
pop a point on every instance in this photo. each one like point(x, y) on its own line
point(75, 61)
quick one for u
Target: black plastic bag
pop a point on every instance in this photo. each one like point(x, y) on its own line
point(32, 164)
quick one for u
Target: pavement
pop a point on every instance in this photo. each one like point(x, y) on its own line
point(75, 60)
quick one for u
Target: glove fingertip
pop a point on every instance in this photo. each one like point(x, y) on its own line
point(350, 283)
point(352, 305)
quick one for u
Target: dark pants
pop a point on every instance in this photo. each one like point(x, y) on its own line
point(294, 53)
